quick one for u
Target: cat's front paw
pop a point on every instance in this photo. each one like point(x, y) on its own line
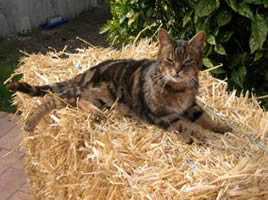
point(192, 136)
point(222, 128)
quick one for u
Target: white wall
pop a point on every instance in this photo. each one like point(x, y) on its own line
point(23, 15)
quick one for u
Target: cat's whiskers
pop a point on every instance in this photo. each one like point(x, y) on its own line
point(158, 84)
point(164, 85)
point(157, 78)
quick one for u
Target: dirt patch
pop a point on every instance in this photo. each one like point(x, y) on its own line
point(86, 26)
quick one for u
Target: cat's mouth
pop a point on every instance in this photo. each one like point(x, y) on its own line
point(176, 78)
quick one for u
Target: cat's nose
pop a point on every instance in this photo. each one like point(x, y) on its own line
point(177, 72)
point(178, 66)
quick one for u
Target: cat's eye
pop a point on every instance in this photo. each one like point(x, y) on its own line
point(189, 62)
point(170, 61)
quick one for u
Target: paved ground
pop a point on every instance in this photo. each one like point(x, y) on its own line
point(13, 184)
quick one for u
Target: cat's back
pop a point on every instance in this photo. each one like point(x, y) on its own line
point(119, 70)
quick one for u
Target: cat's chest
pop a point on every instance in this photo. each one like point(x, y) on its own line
point(173, 102)
point(181, 101)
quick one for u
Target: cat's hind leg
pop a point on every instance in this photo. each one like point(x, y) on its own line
point(90, 108)
point(51, 102)
point(94, 98)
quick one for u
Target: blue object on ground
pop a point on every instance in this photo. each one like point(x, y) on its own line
point(53, 22)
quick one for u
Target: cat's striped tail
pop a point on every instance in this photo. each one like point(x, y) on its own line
point(29, 89)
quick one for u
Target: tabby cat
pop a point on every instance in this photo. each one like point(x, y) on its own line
point(161, 91)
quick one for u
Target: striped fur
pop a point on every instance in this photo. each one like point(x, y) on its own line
point(160, 92)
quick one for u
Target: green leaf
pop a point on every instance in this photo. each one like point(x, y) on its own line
point(244, 58)
point(130, 14)
point(203, 25)
point(215, 32)
point(241, 8)
point(218, 71)
point(187, 18)
point(259, 30)
point(195, 18)
point(205, 7)
point(209, 50)
point(211, 40)
point(218, 3)
point(149, 12)
point(224, 17)
point(232, 4)
point(165, 7)
point(225, 36)
point(132, 19)
point(104, 28)
point(259, 2)
point(133, 1)
point(122, 19)
point(238, 76)
point(244, 9)
point(220, 49)
point(258, 55)
point(207, 62)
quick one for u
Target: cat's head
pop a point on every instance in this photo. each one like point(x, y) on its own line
point(180, 59)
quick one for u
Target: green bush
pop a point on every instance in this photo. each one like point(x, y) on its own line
point(236, 33)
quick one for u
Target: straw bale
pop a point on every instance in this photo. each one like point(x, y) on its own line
point(69, 156)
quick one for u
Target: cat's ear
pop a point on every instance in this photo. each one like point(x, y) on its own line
point(198, 40)
point(163, 37)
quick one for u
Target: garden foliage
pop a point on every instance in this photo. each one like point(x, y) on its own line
point(236, 33)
